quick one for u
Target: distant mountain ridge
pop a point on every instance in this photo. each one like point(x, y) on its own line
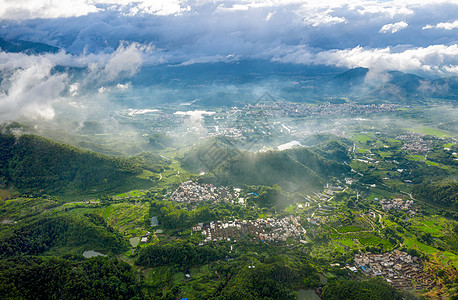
point(27, 47)
point(392, 85)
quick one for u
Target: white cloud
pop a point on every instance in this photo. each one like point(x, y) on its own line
point(30, 92)
point(269, 15)
point(203, 31)
point(20, 9)
point(125, 61)
point(323, 18)
point(31, 9)
point(395, 27)
point(434, 58)
point(443, 25)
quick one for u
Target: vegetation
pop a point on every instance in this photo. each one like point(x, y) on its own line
point(208, 155)
point(444, 193)
point(69, 277)
point(295, 170)
point(373, 289)
point(33, 163)
point(334, 188)
point(183, 255)
point(44, 234)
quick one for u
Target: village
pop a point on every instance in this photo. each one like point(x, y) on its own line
point(398, 268)
point(416, 142)
point(291, 109)
point(193, 192)
point(270, 229)
point(399, 204)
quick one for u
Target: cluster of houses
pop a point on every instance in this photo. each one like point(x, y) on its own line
point(399, 204)
point(291, 109)
point(270, 229)
point(192, 192)
point(328, 193)
point(416, 142)
point(399, 269)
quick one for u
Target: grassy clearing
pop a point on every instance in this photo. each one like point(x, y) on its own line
point(431, 163)
point(435, 225)
point(445, 257)
point(339, 247)
point(6, 194)
point(362, 138)
point(346, 229)
point(384, 154)
point(128, 218)
point(372, 240)
point(174, 175)
point(430, 131)
point(351, 243)
point(389, 223)
point(415, 157)
point(20, 208)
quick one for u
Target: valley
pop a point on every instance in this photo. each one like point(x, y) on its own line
point(227, 213)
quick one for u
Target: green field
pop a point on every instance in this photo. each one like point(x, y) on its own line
point(430, 131)
point(372, 240)
point(445, 257)
point(346, 229)
point(128, 218)
point(362, 138)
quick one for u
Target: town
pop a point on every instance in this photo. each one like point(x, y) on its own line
point(192, 192)
point(398, 268)
point(416, 142)
point(399, 204)
point(270, 229)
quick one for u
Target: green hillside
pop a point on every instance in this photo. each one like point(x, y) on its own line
point(206, 156)
point(57, 233)
point(36, 164)
point(297, 169)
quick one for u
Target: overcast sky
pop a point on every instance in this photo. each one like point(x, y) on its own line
point(115, 38)
point(403, 35)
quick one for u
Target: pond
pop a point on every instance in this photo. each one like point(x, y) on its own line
point(307, 295)
point(92, 253)
point(134, 241)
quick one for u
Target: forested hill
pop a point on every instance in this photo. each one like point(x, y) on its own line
point(36, 164)
point(297, 169)
point(207, 155)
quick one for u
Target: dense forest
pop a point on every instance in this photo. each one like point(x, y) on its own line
point(444, 193)
point(184, 255)
point(69, 277)
point(373, 289)
point(32, 163)
point(45, 234)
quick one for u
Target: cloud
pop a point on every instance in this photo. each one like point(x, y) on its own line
point(29, 92)
point(323, 18)
point(109, 32)
point(434, 58)
point(443, 25)
point(18, 10)
point(395, 27)
point(124, 62)
point(30, 85)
